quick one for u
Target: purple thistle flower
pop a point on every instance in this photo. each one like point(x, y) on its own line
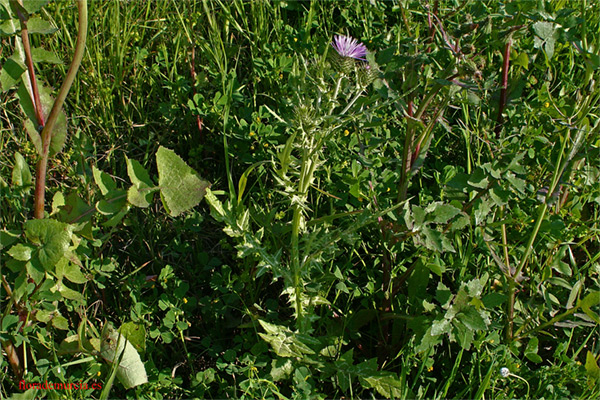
point(347, 46)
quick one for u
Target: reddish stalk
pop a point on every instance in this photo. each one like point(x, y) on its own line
point(37, 104)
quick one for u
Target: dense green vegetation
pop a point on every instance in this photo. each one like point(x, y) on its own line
point(263, 216)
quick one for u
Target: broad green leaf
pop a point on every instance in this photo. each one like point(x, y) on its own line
point(284, 342)
point(21, 175)
point(478, 179)
point(52, 237)
point(41, 55)
point(67, 292)
point(105, 182)
point(70, 271)
point(142, 189)
point(33, 6)
point(589, 301)
point(39, 25)
point(281, 369)
point(138, 174)
point(472, 319)
point(441, 213)
point(21, 252)
point(532, 349)
point(180, 186)
point(136, 334)
point(11, 72)
point(386, 384)
point(546, 35)
point(60, 322)
point(9, 321)
point(117, 349)
point(591, 367)
point(58, 200)
point(35, 270)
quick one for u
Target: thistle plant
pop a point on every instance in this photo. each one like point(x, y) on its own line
point(326, 95)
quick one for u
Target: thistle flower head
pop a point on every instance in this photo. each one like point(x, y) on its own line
point(347, 46)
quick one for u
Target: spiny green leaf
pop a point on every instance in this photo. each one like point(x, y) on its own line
point(180, 186)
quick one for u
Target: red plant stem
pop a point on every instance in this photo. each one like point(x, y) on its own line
point(42, 165)
point(37, 104)
point(503, 91)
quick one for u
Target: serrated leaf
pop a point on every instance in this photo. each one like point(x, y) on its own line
point(472, 320)
point(21, 252)
point(284, 342)
point(130, 370)
point(281, 369)
point(52, 237)
point(385, 384)
point(441, 213)
point(21, 175)
point(41, 55)
point(180, 186)
point(11, 73)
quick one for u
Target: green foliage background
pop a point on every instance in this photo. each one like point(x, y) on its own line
point(407, 289)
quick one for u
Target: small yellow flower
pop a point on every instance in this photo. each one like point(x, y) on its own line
point(492, 341)
point(430, 369)
point(269, 195)
point(388, 189)
point(295, 39)
point(346, 132)
point(99, 373)
point(266, 144)
point(518, 366)
point(280, 76)
point(252, 134)
point(185, 300)
point(546, 104)
point(252, 148)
